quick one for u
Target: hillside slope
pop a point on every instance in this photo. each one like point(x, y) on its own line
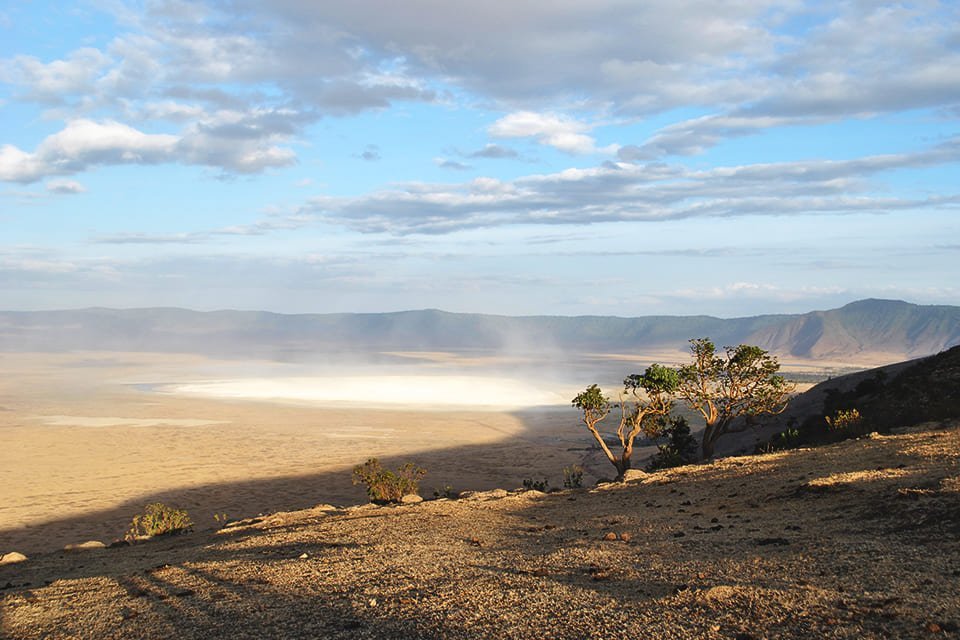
point(868, 326)
point(854, 540)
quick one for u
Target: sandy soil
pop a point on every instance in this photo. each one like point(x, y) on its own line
point(88, 439)
point(854, 540)
point(85, 446)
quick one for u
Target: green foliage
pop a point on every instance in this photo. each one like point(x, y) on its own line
point(385, 486)
point(592, 402)
point(536, 485)
point(573, 477)
point(741, 382)
point(221, 519)
point(680, 448)
point(644, 398)
point(159, 519)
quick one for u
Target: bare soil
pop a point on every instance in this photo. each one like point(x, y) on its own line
point(853, 540)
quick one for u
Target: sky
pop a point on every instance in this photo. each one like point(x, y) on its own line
point(555, 157)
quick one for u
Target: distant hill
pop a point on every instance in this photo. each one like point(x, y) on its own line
point(867, 326)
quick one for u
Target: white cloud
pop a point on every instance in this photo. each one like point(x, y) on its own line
point(53, 81)
point(552, 129)
point(65, 187)
point(81, 144)
point(632, 192)
point(235, 142)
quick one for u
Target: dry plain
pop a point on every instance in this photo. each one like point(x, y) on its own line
point(88, 439)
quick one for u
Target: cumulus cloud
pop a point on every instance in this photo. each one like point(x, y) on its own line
point(65, 187)
point(551, 129)
point(81, 144)
point(235, 142)
point(55, 81)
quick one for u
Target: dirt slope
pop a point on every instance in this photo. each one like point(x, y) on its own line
point(855, 540)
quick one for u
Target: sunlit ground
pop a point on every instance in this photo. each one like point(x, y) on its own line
point(417, 391)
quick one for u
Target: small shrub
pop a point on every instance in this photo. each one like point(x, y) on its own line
point(159, 519)
point(680, 448)
point(536, 485)
point(573, 477)
point(788, 439)
point(384, 485)
point(221, 519)
point(846, 421)
point(446, 491)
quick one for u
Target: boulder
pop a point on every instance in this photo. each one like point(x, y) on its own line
point(10, 558)
point(85, 546)
point(633, 475)
point(411, 498)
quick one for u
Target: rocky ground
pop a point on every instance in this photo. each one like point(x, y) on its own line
point(854, 540)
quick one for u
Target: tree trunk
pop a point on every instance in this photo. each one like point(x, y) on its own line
point(622, 465)
point(707, 447)
point(711, 434)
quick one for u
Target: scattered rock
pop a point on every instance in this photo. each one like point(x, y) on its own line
point(679, 534)
point(772, 541)
point(633, 475)
point(610, 537)
point(13, 556)
point(475, 542)
point(85, 546)
point(411, 498)
point(484, 495)
point(933, 627)
point(303, 556)
point(625, 536)
point(598, 572)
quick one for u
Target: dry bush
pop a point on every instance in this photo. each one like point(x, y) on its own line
point(159, 519)
point(384, 485)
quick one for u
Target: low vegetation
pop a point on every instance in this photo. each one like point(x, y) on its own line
point(573, 477)
point(679, 449)
point(383, 485)
point(723, 388)
point(536, 485)
point(159, 519)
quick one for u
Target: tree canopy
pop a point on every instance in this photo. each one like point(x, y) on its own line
point(644, 397)
point(743, 381)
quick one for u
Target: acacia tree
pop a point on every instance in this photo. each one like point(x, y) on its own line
point(743, 382)
point(644, 397)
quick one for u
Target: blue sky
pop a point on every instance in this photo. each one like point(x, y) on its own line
point(595, 157)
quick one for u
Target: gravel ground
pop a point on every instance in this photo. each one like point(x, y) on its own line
point(854, 540)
